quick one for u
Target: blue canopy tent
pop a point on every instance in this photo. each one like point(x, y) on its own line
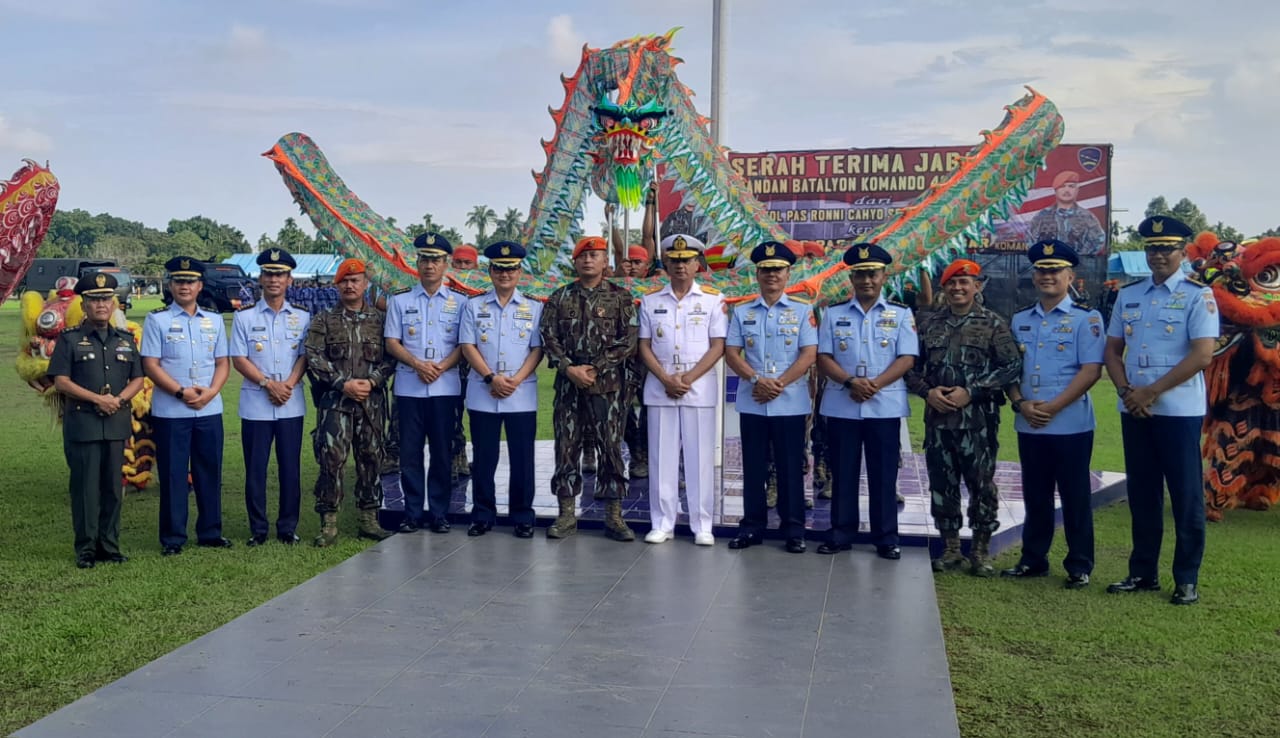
point(1128, 265)
point(310, 266)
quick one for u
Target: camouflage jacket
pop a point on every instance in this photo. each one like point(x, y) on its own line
point(1075, 226)
point(975, 351)
point(343, 345)
point(591, 326)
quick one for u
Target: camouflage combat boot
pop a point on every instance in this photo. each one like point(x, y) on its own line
point(369, 527)
point(615, 528)
point(461, 467)
point(639, 467)
point(980, 555)
point(328, 530)
point(822, 479)
point(567, 523)
point(951, 558)
point(771, 491)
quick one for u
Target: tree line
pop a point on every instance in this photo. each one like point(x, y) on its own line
point(144, 250)
point(1127, 238)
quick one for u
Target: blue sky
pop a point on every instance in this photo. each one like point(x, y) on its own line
point(153, 110)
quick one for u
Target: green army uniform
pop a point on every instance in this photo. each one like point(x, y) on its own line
point(342, 345)
point(102, 360)
point(975, 351)
point(596, 326)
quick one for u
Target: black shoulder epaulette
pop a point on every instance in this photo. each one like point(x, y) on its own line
point(242, 308)
point(161, 309)
point(1136, 281)
point(895, 304)
point(402, 290)
point(1024, 308)
point(846, 302)
point(124, 333)
point(1082, 306)
point(69, 329)
point(1196, 282)
point(299, 308)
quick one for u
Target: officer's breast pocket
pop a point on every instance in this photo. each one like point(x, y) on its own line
point(175, 347)
point(337, 351)
point(1172, 324)
point(83, 353)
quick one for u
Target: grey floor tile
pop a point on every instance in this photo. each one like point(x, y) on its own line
point(550, 706)
point(749, 711)
point(206, 674)
point(590, 665)
point(115, 712)
point(388, 722)
point(244, 717)
point(319, 682)
point(484, 658)
point(455, 694)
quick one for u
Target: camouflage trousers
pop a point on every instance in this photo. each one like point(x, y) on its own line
point(573, 412)
point(335, 435)
point(458, 443)
point(636, 432)
point(955, 455)
point(391, 449)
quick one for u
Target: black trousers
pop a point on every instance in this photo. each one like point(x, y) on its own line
point(426, 421)
point(1060, 461)
point(1158, 450)
point(880, 440)
point(780, 437)
point(486, 430)
point(96, 492)
point(256, 437)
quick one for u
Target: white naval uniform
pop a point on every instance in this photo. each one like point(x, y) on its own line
point(680, 333)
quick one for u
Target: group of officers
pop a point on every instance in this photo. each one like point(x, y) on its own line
point(962, 359)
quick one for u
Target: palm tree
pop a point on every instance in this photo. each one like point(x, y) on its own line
point(509, 225)
point(480, 218)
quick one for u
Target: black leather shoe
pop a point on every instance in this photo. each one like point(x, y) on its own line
point(115, 558)
point(892, 553)
point(1022, 571)
point(524, 530)
point(215, 543)
point(828, 549)
point(288, 539)
point(1185, 594)
point(1135, 584)
point(441, 526)
point(85, 561)
point(478, 529)
point(408, 526)
point(171, 550)
point(255, 541)
point(745, 540)
point(795, 545)
point(1076, 581)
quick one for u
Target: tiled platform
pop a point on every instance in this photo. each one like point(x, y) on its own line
point(914, 521)
point(430, 635)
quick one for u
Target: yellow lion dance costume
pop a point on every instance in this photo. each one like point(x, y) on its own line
point(1242, 426)
point(43, 320)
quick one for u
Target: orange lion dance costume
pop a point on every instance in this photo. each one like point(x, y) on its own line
point(1242, 426)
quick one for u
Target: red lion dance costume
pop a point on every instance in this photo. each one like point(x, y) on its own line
point(1242, 426)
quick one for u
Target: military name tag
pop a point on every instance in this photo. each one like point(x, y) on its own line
point(485, 314)
point(659, 311)
point(844, 322)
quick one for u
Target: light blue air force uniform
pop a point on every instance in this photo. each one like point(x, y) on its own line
point(504, 336)
point(427, 325)
point(187, 347)
point(864, 345)
point(272, 341)
point(771, 339)
point(1054, 347)
point(1158, 323)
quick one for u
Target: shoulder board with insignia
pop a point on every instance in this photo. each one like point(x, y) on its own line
point(69, 329)
point(458, 292)
point(896, 304)
point(799, 299)
point(402, 290)
point(1139, 280)
point(124, 333)
point(1196, 282)
point(1024, 308)
point(161, 309)
point(709, 289)
point(1082, 306)
point(846, 302)
point(243, 308)
point(654, 290)
point(299, 308)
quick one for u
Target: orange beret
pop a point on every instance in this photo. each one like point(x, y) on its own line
point(796, 247)
point(1064, 177)
point(466, 251)
point(637, 252)
point(813, 248)
point(347, 268)
point(590, 243)
point(960, 267)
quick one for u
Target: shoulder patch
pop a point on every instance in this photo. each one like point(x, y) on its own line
point(708, 289)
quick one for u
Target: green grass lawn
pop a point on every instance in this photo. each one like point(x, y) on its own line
point(1027, 658)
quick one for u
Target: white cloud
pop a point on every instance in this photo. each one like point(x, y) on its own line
point(23, 141)
point(564, 43)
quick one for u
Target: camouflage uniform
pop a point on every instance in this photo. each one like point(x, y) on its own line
point(1075, 225)
point(636, 430)
point(975, 351)
point(597, 327)
point(343, 345)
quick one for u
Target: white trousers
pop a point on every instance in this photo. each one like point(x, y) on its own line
point(672, 430)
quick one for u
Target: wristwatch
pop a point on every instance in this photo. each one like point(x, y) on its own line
point(264, 381)
point(178, 394)
point(1017, 404)
point(488, 378)
point(754, 378)
point(1122, 391)
point(848, 383)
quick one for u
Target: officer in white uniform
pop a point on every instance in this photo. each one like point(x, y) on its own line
point(682, 331)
